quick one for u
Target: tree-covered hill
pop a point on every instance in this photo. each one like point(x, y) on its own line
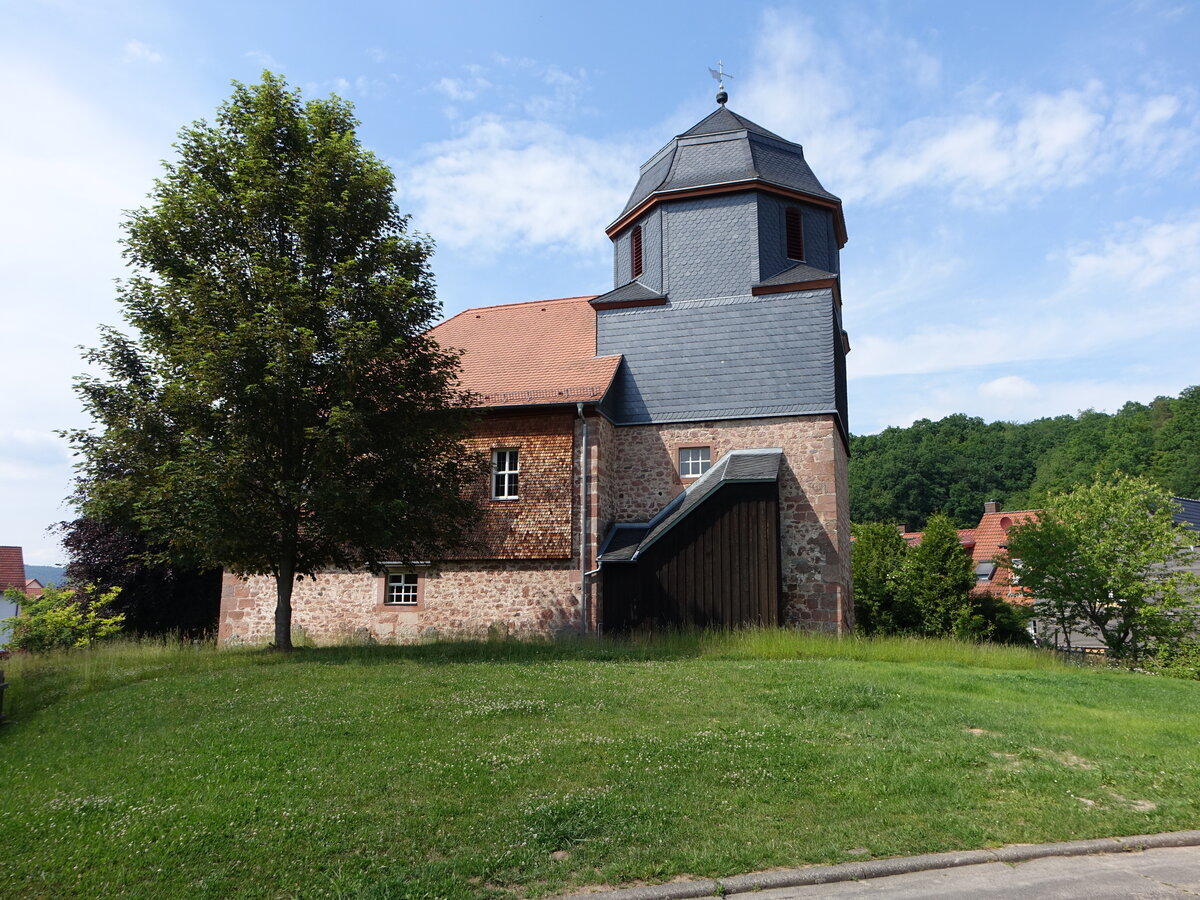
point(953, 465)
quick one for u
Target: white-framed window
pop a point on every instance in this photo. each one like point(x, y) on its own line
point(506, 467)
point(403, 589)
point(694, 461)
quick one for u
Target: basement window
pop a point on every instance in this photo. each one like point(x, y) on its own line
point(694, 461)
point(403, 589)
point(794, 227)
point(506, 467)
point(635, 246)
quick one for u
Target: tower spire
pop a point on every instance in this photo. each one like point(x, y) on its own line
point(719, 75)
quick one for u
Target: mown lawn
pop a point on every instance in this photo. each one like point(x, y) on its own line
point(498, 770)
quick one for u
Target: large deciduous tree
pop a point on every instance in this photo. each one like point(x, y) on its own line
point(1108, 559)
point(279, 407)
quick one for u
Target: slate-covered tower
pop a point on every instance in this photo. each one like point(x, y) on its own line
point(726, 309)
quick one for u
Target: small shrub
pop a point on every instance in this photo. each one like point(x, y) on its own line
point(1180, 659)
point(61, 619)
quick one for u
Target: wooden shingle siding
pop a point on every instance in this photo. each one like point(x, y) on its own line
point(539, 523)
point(718, 568)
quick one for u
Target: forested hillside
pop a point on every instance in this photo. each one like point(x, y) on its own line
point(903, 475)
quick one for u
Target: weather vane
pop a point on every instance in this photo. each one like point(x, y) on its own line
point(719, 75)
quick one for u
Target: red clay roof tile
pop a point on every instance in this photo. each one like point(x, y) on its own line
point(12, 568)
point(527, 354)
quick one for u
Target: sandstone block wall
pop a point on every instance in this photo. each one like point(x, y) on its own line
point(462, 599)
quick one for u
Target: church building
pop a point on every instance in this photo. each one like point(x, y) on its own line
point(672, 452)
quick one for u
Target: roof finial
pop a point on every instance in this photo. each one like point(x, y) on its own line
point(719, 74)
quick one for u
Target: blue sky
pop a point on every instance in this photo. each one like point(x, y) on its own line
point(1020, 179)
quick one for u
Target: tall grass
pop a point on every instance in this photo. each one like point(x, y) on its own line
point(40, 680)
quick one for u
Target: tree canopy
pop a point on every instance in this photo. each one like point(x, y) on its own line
point(278, 408)
point(953, 465)
point(1107, 559)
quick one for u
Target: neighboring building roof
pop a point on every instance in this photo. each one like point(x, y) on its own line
point(735, 467)
point(966, 537)
point(991, 540)
point(984, 543)
point(12, 568)
point(524, 354)
point(1189, 512)
point(722, 149)
point(731, 358)
point(33, 587)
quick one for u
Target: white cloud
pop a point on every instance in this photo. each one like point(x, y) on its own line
point(1139, 253)
point(136, 51)
point(505, 183)
point(75, 167)
point(1009, 387)
point(461, 89)
point(1142, 280)
point(985, 151)
point(1047, 399)
point(264, 59)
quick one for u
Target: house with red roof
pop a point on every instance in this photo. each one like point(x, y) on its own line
point(12, 577)
point(986, 543)
point(670, 452)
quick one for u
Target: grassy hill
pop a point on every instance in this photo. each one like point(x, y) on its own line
point(499, 770)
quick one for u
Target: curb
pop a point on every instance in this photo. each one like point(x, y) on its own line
point(900, 865)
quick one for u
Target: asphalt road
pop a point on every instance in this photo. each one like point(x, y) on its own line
point(1167, 872)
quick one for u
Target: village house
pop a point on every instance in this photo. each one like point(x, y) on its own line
point(673, 451)
point(985, 543)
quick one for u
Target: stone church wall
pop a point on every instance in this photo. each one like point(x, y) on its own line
point(463, 599)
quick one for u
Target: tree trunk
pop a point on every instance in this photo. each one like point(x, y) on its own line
point(285, 579)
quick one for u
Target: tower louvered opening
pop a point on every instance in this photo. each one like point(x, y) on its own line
point(794, 224)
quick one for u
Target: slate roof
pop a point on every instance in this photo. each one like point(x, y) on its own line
point(1188, 512)
point(797, 274)
point(724, 119)
point(725, 148)
point(735, 467)
point(731, 358)
point(12, 568)
point(622, 542)
point(528, 354)
point(631, 292)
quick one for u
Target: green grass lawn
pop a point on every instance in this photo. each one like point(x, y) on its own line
point(499, 770)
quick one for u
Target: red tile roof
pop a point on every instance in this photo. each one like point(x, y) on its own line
point(991, 540)
point(33, 587)
point(526, 354)
point(12, 568)
point(985, 542)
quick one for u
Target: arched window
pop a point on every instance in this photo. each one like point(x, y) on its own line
point(794, 224)
point(635, 243)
